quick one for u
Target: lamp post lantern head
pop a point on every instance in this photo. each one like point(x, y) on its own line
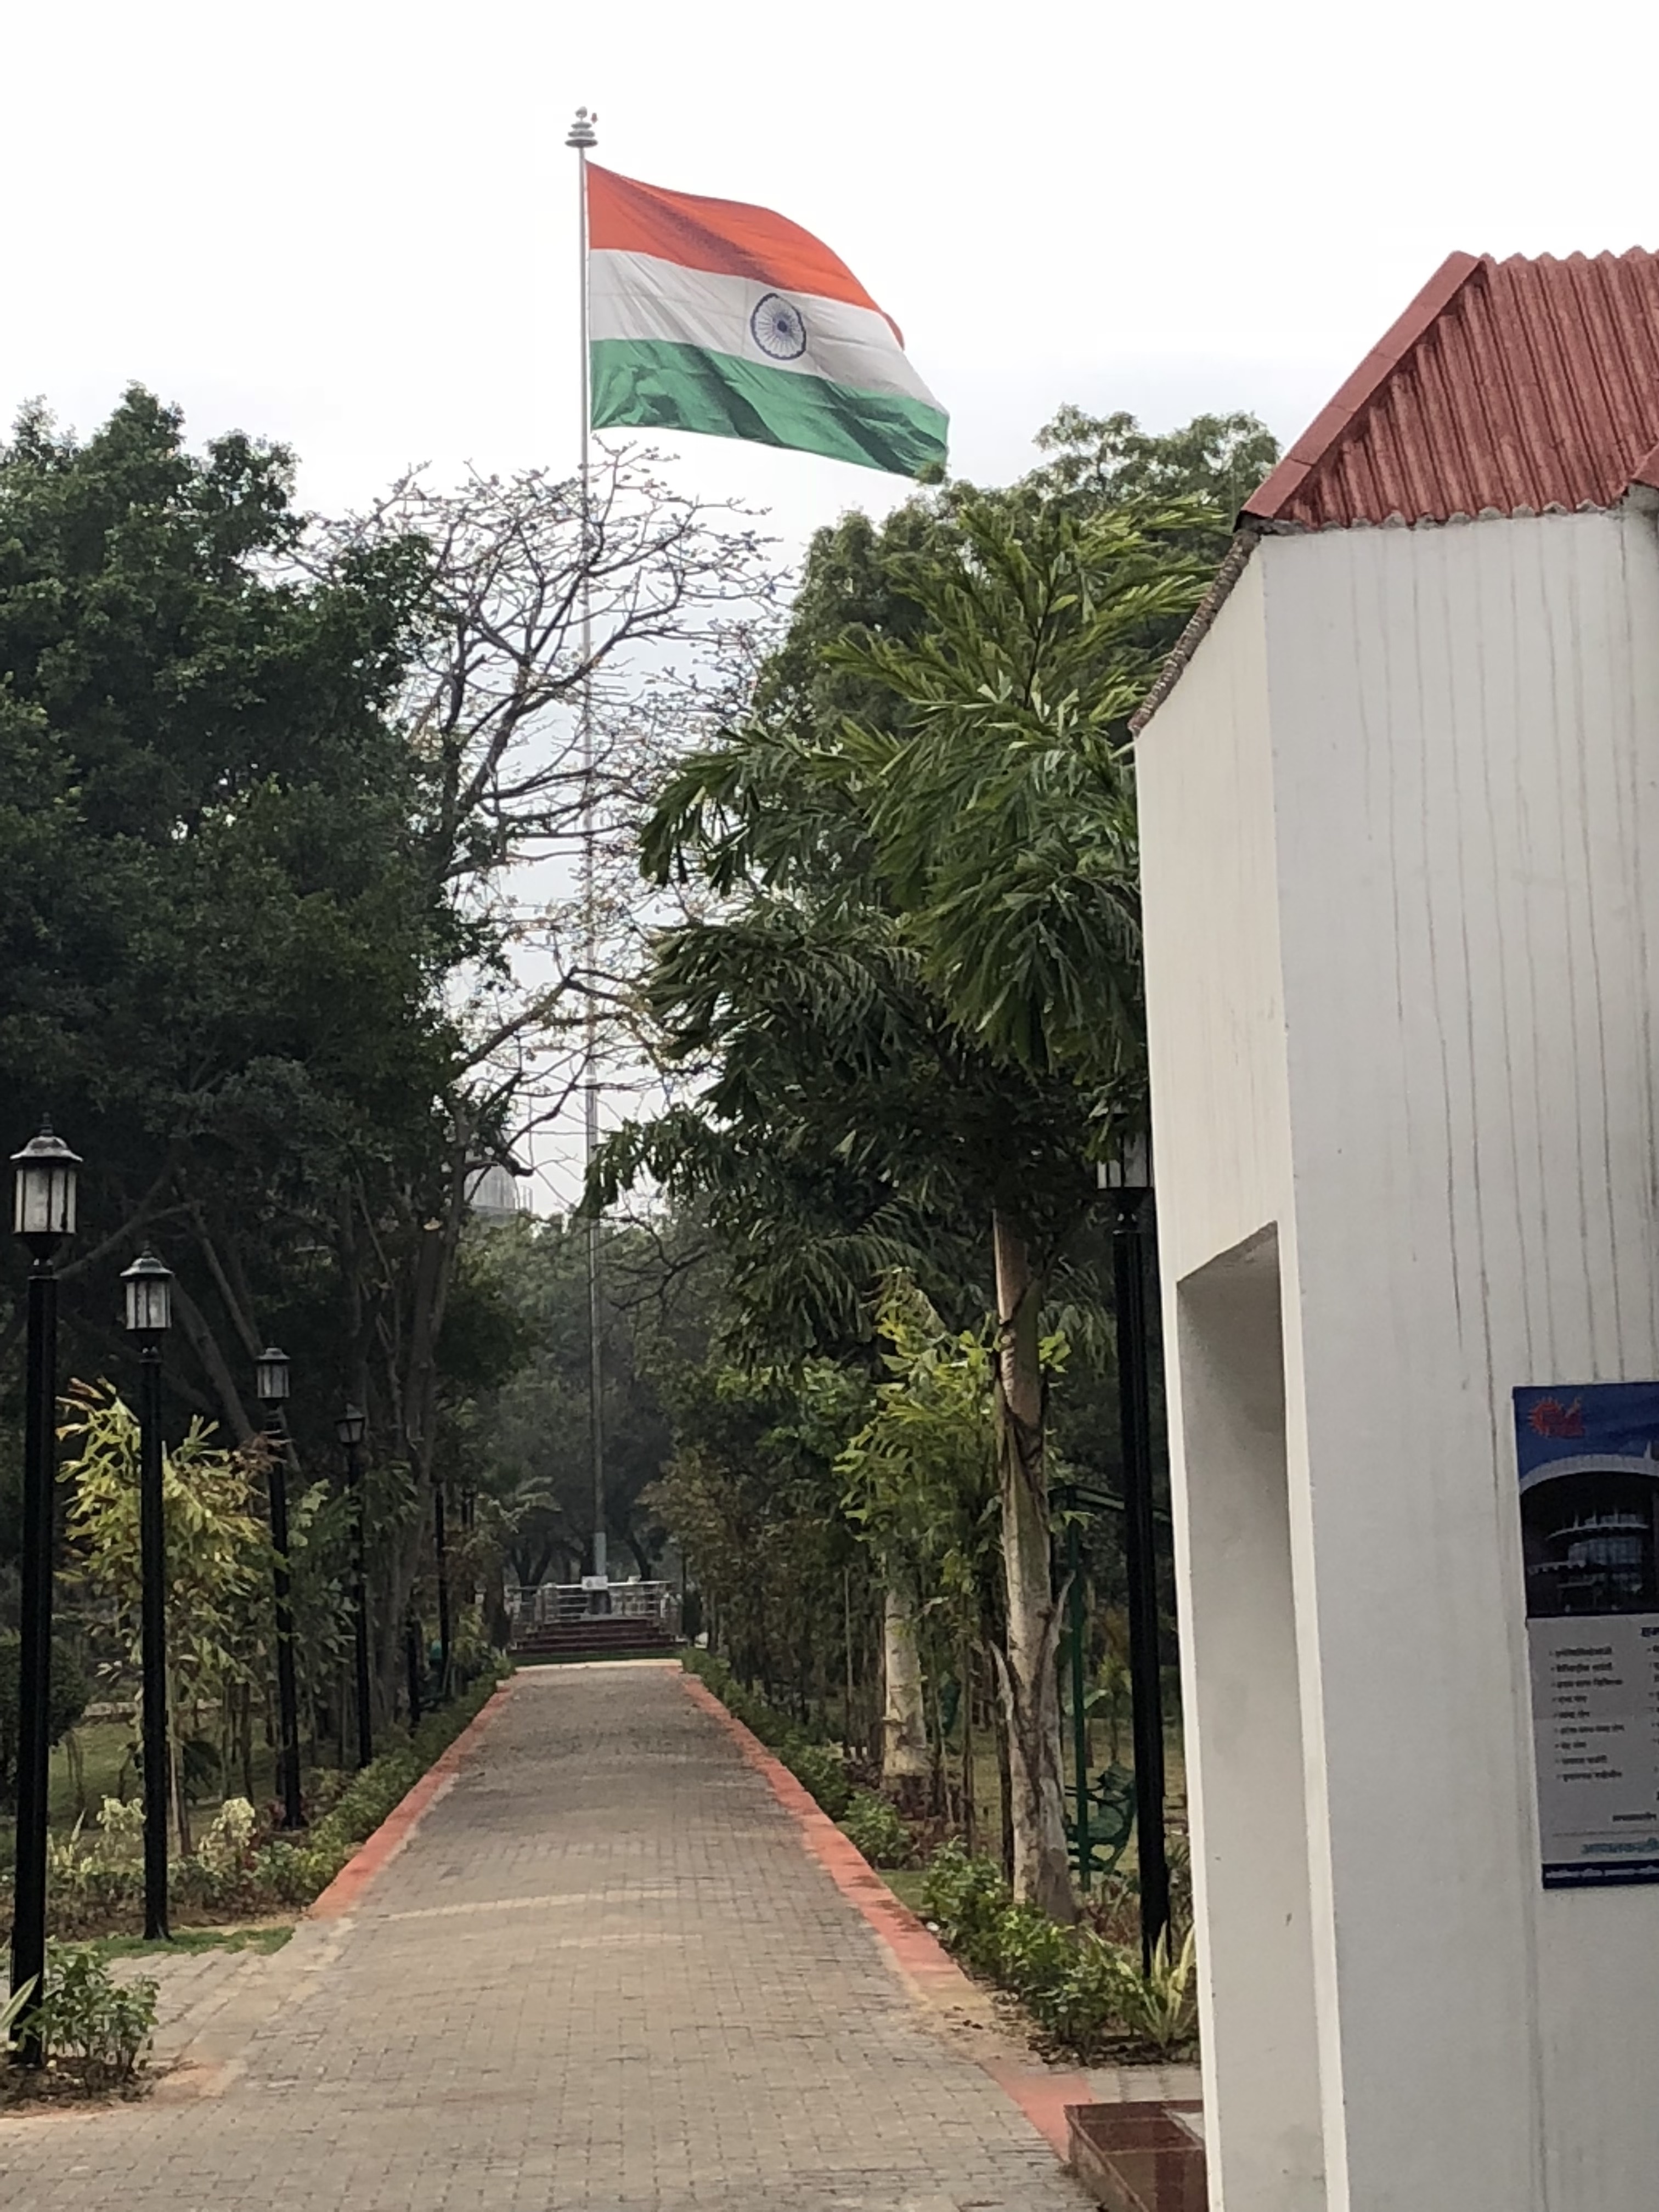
point(1127, 1167)
point(148, 1287)
point(44, 1191)
point(351, 1425)
point(271, 1374)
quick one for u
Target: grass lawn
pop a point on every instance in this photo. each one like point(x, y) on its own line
point(107, 1770)
point(264, 1940)
point(905, 1882)
point(987, 1789)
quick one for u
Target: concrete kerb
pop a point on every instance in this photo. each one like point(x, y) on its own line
point(920, 1958)
point(377, 1851)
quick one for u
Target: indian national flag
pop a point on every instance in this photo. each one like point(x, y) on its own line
point(709, 315)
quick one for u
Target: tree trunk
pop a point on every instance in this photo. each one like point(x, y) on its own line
point(970, 1797)
point(846, 1651)
point(905, 1764)
point(245, 1742)
point(173, 1780)
point(1005, 1788)
point(1030, 1684)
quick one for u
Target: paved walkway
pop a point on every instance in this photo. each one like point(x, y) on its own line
point(605, 1976)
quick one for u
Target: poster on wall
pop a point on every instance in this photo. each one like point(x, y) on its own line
point(1588, 1461)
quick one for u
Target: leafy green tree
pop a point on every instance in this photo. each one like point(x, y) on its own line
point(526, 1440)
point(911, 992)
point(1100, 461)
point(752, 1497)
point(1026, 912)
point(921, 1488)
point(218, 1557)
point(947, 1008)
point(216, 961)
point(260, 784)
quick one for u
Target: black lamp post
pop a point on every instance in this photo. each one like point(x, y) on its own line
point(1076, 1627)
point(350, 1429)
point(412, 1667)
point(1127, 1175)
point(149, 1314)
point(43, 1216)
point(440, 1554)
point(271, 1387)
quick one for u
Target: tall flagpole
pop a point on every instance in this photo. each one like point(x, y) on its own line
point(582, 136)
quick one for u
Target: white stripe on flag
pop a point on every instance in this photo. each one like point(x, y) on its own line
point(636, 295)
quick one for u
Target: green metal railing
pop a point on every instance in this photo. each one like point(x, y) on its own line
point(1103, 1820)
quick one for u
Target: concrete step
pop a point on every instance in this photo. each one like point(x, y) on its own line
point(598, 1638)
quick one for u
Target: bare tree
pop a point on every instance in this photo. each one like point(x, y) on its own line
point(544, 611)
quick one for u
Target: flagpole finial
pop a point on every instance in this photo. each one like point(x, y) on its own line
point(582, 135)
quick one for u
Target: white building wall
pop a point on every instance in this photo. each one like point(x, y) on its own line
point(1215, 1000)
point(1220, 1142)
point(1463, 783)
point(1466, 739)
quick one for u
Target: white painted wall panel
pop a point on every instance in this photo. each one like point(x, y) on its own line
point(1221, 1144)
point(1465, 736)
point(1263, 2088)
point(1209, 883)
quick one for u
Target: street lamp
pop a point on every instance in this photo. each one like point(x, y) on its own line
point(148, 1287)
point(43, 1216)
point(440, 1554)
point(350, 1429)
point(1126, 1174)
point(271, 1378)
point(270, 1386)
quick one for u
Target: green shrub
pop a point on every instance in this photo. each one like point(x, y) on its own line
point(819, 1767)
point(99, 1869)
point(226, 1844)
point(284, 1873)
point(1163, 2005)
point(965, 1898)
point(1032, 1954)
point(293, 1870)
point(97, 2027)
point(876, 1829)
point(95, 1876)
point(219, 1876)
point(1078, 1985)
point(823, 1771)
point(710, 1668)
point(1084, 2000)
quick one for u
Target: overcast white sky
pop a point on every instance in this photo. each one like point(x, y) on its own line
point(350, 224)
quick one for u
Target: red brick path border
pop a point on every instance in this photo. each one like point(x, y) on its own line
point(920, 1958)
point(405, 1816)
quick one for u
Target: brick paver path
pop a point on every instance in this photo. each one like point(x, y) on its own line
point(603, 1976)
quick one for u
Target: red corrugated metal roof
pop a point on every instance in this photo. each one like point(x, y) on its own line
point(1507, 387)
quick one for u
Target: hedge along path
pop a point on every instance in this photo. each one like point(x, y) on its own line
point(377, 1852)
point(920, 1958)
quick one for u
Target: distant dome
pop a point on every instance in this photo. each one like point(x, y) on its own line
point(494, 1196)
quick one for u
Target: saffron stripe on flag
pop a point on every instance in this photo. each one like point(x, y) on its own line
point(654, 385)
point(725, 236)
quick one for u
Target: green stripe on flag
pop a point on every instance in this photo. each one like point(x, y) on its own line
point(649, 383)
